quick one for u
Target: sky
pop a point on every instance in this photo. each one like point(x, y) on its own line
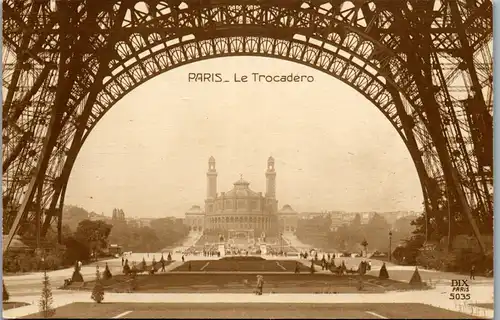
point(334, 149)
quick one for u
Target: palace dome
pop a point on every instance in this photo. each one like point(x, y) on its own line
point(287, 209)
point(195, 210)
point(241, 190)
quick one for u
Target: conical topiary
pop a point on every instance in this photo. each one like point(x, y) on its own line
point(46, 300)
point(77, 276)
point(416, 280)
point(143, 265)
point(5, 293)
point(126, 268)
point(383, 274)
point(98, 291)
point(107, 273)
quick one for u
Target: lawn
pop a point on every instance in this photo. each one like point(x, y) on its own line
point(261, 310)
point(11, 305)
point(245, 283)
point(250, 265)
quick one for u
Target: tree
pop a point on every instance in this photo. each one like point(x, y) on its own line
point(377, 232)
point(94, 233)
point(341, 237)
point(76, 250)
point(5, 293)
point(46, 301)
point(357, 220)
point(169, 231)
point(403, 225)
point(314, 231)
point(73, 215)
point(410, 249)
point(138, 239)
point(98, 291)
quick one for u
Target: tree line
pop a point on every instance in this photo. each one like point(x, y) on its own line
point(349, 237)
point(84, 239)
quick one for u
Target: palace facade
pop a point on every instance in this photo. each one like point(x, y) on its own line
point(241, 208)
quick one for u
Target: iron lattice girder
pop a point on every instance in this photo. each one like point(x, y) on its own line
point(477, 18)
point(201, 33)
point(211, 22)
point(191, 30)
point(311, 20)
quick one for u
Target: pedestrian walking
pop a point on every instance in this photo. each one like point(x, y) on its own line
point(260, 285)
point(162, 261)
point(472, 272)
point(123, 261)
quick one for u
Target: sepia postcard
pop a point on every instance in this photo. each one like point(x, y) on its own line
point(205, 159)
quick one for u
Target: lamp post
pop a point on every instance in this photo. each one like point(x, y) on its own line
point(390, 246)
point(281, 241)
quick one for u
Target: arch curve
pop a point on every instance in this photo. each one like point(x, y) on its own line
point(338, 31)
point(349, 68)
point(371, 45)
point(322, 41)
point(356, 75)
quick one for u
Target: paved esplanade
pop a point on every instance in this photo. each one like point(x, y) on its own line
point(26, 288)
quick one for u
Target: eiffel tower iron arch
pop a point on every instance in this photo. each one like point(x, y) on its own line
point(118, 45)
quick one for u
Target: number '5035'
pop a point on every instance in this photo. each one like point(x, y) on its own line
point(459, 296)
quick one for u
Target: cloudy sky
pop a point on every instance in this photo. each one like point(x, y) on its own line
point(334, 150)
